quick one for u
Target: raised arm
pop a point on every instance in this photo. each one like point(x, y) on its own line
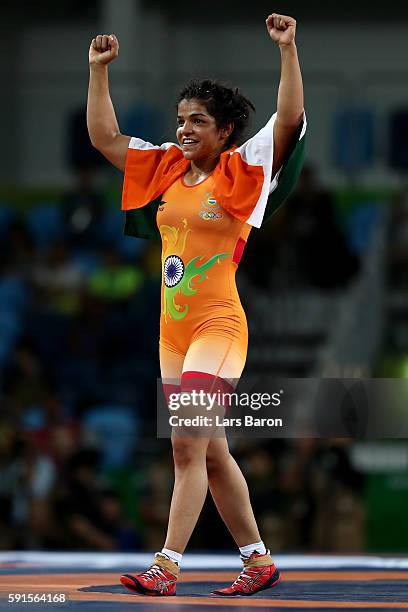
point(282, 30)
point(103, 127)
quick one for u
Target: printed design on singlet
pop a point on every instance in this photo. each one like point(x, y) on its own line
point(178, 276)
point(210, 209)
point(173, 270)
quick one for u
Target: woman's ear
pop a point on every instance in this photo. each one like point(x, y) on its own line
point(227, 130)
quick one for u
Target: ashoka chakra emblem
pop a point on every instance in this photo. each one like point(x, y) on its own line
point(173, 270)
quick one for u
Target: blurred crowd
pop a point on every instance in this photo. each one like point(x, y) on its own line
point(304, 245)
point(80, 465)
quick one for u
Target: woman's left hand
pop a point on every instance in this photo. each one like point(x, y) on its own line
point(281, 28)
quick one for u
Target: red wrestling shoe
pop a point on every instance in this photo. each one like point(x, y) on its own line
point(259, 573)
point(159, 579)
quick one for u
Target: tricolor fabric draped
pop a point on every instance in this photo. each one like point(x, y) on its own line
point(242, 179)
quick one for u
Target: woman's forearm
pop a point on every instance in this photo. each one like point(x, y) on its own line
point(290, 93)
point(101, 119)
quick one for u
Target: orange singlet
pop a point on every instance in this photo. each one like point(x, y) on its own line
point(202, 320)
point(204, 229)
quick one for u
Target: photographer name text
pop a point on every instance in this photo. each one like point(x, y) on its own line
point(217, 421)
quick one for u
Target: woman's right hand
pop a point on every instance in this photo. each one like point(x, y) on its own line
point(104, 49)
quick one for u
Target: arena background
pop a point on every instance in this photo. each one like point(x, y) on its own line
point(325, 284)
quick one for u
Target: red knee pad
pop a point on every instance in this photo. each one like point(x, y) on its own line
point(169, 389)
point(209, 383)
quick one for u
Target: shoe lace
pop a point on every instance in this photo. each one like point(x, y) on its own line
point(154, 571)
point(246, 574)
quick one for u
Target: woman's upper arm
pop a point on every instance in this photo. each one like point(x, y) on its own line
point(116, 152)
point(283, 136)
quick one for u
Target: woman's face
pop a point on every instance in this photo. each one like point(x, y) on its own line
point(197, 131)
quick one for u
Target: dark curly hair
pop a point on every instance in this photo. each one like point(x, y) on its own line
point(224, 103)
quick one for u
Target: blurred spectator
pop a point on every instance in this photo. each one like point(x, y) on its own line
point(25, 383)
point(114, 430)
point(81, 155)
point(91, 511)
point(83, 204)
point(82, 209)
point(63, 440)
point(316, 481)
point(28, 482)
point(156, 494)
point(261, 468)
point(398, 243)
point(323, 258)
point(18, 254)
point(303, 245)
point(57, 279)
point(7, 531)
point(115, 280)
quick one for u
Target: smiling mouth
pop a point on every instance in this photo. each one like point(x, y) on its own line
point(189, 144)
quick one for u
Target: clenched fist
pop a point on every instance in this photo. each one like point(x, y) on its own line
point(103, 49)
point(281, 28)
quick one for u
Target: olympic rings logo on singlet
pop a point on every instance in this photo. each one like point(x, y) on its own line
point(210, 209)
point(210, 214)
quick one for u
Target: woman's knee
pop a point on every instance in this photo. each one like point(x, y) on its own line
point(187, 450)
point(217, 459)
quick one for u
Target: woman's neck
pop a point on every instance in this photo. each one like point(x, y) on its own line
point(205, 166)
point(199, 171)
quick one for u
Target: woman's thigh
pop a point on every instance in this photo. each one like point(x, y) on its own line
point(213, 365)
point(217, 356)
point(171, 368)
